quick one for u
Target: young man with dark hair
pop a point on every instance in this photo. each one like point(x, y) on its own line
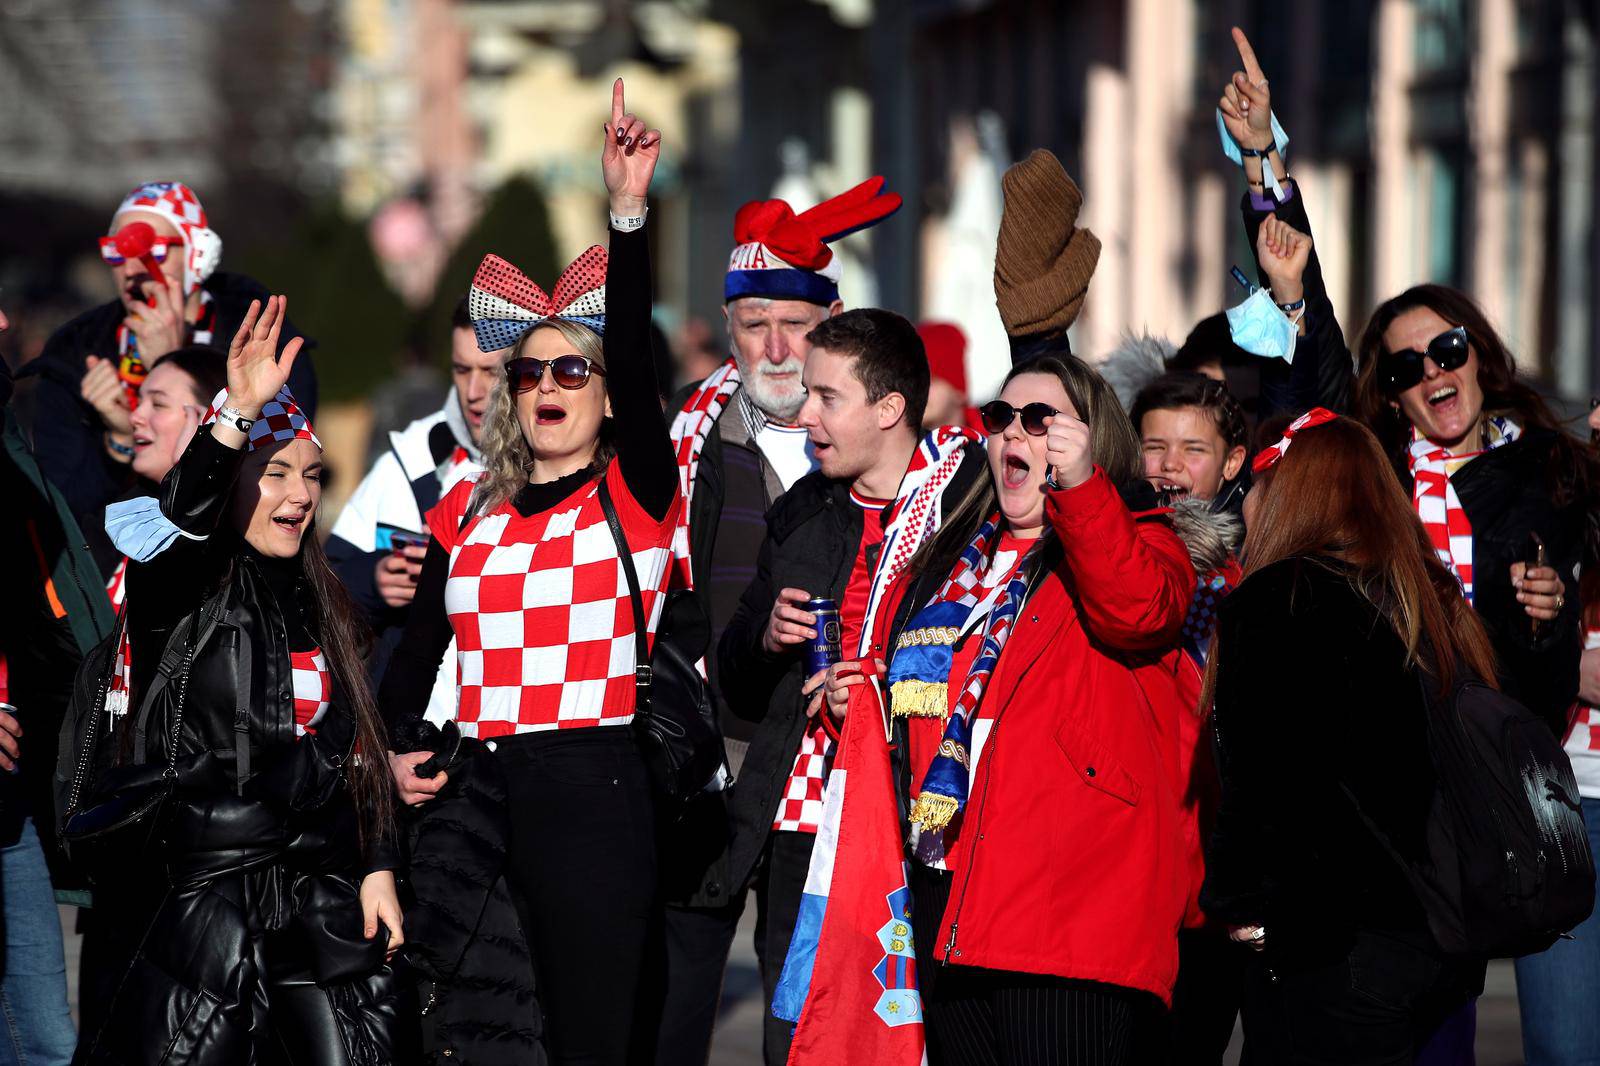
point(866, 384)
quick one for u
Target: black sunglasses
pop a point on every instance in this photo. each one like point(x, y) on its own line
point(568, 371)
point(1399, 371)
point(997, 415)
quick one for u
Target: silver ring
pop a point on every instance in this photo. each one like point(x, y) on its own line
point(1259, 934)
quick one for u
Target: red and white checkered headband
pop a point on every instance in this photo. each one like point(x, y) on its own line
point(281, 419)
point(177, 204)
point(1268, 457)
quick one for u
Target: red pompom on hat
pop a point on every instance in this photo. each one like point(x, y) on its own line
point(946, 346)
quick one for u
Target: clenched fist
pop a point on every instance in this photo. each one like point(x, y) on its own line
point(1066, 449)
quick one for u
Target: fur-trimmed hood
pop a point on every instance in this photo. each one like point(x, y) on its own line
point(1212, 537)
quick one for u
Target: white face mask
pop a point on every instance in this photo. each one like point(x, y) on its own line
point(1260, 327)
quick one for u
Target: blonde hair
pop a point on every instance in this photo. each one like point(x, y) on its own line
point(507, 459)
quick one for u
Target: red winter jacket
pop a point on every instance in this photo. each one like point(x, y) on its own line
point(1073, 855)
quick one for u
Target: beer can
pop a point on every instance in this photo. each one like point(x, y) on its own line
point(824, 649)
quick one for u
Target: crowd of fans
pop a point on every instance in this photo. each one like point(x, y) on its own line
point(1166, 646)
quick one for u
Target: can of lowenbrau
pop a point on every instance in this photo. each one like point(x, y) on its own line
point(824, 649)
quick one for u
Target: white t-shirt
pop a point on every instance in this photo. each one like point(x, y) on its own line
point(788, 450)
point(1583, 741)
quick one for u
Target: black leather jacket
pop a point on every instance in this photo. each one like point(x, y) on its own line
point(252, 872)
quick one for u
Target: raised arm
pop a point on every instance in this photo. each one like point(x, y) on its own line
point(644, 449)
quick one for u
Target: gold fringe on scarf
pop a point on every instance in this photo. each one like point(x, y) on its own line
point(911, 698)
point(932, 811)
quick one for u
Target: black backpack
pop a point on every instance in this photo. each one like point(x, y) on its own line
point(1506, 868)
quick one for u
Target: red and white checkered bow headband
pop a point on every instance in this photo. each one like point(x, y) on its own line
point(1268, 457)
point(281, 419)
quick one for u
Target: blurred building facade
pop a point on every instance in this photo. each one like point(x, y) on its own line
point(1449, 140)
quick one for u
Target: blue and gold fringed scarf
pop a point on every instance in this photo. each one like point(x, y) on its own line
point(919, 672)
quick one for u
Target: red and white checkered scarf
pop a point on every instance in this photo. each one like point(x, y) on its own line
point(690, 428)
point(1435, 497)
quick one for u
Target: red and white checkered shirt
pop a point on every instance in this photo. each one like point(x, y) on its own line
point(541, 612)
point(312, 689)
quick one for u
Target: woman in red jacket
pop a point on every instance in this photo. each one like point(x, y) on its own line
point(1032, 664)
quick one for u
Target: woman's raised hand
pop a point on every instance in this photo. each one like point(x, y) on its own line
point(629, 157)
point(255, 370)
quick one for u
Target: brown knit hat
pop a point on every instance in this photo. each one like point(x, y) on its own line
point(1042, 263)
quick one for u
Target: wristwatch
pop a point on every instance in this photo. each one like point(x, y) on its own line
point(232, 416)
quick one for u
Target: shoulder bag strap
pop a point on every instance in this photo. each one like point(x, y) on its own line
point(641, 638)
point(244, 682)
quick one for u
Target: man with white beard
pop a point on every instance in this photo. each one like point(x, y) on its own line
point(738, 451)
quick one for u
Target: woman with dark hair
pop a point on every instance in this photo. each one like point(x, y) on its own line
point(172, 401)
point(1032, 654)
point(1318, 651)
point(1488, 469)
point(252, 893)
point(524, 570)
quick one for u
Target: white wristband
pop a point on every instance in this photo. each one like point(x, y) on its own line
point(627, 224)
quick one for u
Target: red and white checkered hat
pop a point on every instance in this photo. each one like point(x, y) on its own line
point(281, 419)
point(176, 203)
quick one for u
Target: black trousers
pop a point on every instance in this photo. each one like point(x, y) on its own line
point(979, 1017)
point(1375, 1006)
point(582, 869)
point(1205, 1003)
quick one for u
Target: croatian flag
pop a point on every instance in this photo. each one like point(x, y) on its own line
point(850, 979)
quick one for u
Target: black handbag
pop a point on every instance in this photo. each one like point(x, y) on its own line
point(674, 718)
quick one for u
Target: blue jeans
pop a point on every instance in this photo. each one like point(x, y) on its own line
point(1558, 991)
point(35, 1024)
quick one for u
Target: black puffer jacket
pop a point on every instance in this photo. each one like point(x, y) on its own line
point(66, 433)
point(466, 942)
point(251, 871)
point(1508, 493)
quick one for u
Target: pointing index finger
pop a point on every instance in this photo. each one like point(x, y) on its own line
point(617, 108)
point(1247, 54)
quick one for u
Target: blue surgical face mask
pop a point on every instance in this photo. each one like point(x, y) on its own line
point(1260, 327)
point(139, 530)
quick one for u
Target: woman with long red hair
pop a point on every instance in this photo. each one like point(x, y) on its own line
point(1314, 671)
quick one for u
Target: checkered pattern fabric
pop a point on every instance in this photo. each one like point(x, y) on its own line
point(800, 807)
point(690, 428)
point(122, 668)
point(1200, 623)
point(541, 611)
point(116, 587)
point(1436, 501)
point(313, 688)
point(176, 203)
point(503, 303)
point(281, 419)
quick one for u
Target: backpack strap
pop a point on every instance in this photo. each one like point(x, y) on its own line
point(175, 661)
point(641, 638)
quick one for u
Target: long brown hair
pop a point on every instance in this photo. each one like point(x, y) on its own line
point(1113, 444)
point(1575, 474)
point(1333, 500)
point(345, 641)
